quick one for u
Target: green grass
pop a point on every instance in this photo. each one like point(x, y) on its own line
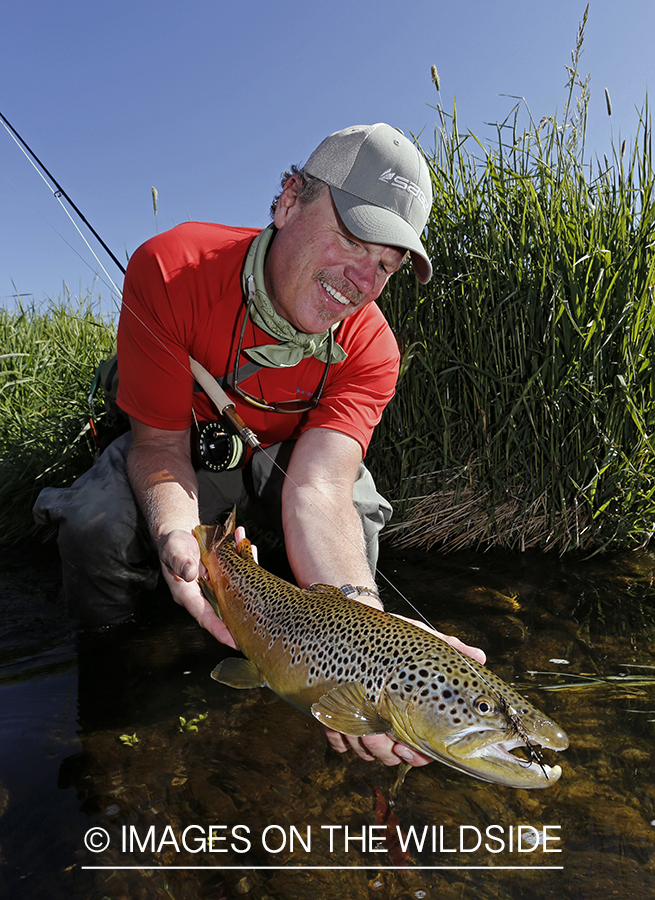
point(46, 367)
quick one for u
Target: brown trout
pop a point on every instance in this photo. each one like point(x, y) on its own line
point(362, 671)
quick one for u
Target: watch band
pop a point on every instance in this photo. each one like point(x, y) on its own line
point(351, 591)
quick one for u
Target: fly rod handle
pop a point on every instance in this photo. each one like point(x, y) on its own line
point(222, 402)
point(210, 386)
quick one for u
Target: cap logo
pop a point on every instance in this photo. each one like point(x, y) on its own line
point(404, 184)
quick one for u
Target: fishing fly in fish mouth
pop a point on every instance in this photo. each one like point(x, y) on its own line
point(362, 671)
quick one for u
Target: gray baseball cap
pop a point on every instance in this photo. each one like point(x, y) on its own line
point(380, 185)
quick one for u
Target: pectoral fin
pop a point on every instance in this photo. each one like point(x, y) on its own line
point(347, 709)
point(238, 673)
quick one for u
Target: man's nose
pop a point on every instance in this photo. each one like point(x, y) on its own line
point(362, 274)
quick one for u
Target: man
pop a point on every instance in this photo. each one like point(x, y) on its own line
point(286, 320)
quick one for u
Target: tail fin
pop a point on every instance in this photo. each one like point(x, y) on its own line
point(204, 534)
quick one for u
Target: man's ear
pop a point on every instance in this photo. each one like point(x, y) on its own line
point(288, 201)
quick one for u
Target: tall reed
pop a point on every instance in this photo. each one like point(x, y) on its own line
point(525, 410)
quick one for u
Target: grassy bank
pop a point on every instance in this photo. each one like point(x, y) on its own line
point(525, 412)
point(46, 367)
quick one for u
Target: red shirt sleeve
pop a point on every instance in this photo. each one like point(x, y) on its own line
point(174, 285)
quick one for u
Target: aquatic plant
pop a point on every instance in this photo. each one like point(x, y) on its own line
point(525, 410)
point(192, 724)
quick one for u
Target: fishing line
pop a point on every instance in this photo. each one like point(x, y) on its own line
point(58, 192)
point(24, 147)
point(513, 715)
point(59, 234)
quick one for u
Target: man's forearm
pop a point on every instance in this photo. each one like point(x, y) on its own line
point(324, 539)
point(165, 485)
point(322, 529)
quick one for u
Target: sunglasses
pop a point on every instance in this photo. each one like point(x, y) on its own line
point(282, 406)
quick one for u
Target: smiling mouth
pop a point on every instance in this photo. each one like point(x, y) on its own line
point(334, 293)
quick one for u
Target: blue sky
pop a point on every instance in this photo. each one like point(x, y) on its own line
point(210, 101)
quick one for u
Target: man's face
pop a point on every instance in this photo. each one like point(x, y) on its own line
point(316, 272)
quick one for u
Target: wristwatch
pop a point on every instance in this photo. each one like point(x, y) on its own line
point(351, 591)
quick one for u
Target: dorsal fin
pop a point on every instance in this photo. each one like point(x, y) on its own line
point(222, 534)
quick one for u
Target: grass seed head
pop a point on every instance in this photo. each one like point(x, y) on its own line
point(608, 101)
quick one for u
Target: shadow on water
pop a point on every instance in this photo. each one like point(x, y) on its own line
point(576, 635)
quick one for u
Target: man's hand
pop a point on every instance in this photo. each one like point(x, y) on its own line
point(377, 746)
point(181, 565)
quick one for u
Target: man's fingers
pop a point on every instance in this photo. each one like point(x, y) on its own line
point(377, 746)
point(474, 652)
point(180, 554)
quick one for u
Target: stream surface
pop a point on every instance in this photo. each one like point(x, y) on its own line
point(202, 791)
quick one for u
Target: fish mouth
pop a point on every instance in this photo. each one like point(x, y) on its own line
point(490, 758)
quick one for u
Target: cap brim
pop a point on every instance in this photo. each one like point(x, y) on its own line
point(378, 225)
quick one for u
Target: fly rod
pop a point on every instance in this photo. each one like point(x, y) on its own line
point(60, 191)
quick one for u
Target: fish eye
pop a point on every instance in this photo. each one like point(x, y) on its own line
point(483, 706)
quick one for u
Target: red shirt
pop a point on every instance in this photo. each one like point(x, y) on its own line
point(183, 297)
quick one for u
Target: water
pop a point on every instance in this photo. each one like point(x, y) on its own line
point(258, 777)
